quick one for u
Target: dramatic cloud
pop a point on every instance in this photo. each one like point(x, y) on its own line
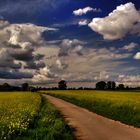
point(25, 55)
point(73, 61)
point(85, 10)
point(123, 20)
point(33, 53)
point(85, 64)
point(14, 74)
point(18, 44)
point(7, 61)
point(21, 34)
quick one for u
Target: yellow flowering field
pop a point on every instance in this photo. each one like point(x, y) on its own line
point(17, 111)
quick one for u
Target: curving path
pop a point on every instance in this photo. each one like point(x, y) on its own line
point(90, 126)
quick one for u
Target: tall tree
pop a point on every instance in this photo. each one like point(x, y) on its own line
point(111, 85)
point(121, 86)
point(62, 85)
point(101, 85)
point(25, 86)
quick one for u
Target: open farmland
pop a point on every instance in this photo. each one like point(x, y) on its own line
point(17, 111)
point(122, 106)
point(29, 116)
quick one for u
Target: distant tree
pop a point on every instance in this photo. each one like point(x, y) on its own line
point(121, 86)
point(25, 86)
point(80, 88)
point(72, 88)
point(6, 87)
point(33, 89)
point(55, 88)
point(101, 85)
point(62, 85)
point(127, 87)
point(111, 85)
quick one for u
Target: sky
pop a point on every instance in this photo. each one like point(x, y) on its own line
point(80, 41)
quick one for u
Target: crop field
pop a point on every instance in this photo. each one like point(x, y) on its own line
point(29, 116)
point(117, 105)
point(17, 110)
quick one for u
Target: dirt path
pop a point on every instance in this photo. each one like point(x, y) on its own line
point(90, 126)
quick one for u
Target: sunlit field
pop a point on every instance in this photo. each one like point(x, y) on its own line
point(17, 111)
point(117, 105)
point(29, 116)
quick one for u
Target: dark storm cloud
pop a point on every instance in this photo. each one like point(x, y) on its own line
point(14, 75)
point(17, 46)
point(11, 57)
point(19, 58)
point(23, 55)
point(10, 64)
point(33, 65)
point(33, 61)
point(7, 61)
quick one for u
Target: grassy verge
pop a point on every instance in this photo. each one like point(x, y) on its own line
point(121, 106)
point(48, 126)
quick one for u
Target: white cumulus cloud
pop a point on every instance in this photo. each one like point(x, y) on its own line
point(85, 10)
point(123, 20)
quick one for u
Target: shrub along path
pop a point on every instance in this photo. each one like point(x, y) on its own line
point(90, 126)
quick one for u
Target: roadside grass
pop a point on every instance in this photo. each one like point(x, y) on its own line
point(120, 106)
point(37, 119)
point(48, 126)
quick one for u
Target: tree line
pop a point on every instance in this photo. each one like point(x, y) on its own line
point(23, 87)
point(102, 85)
point(62, 85)
point(110, 85)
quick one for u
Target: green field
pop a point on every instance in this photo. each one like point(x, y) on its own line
point(28, 116)
point(117, 105)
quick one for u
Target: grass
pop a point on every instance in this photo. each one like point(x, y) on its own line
point(49, 125)
point(28, 116)
point(117, 105)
